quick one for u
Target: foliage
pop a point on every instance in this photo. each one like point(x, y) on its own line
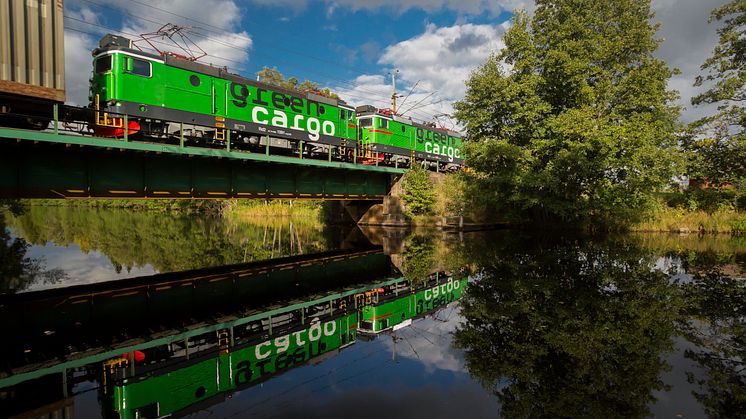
point(667, 219)
point(572, 119)
point(188, 206)
point(579, 327)
point(168, 242)
point(418, 257)
point(274, 77)
point(18, 271)
point(419, 191)
point(720, 348)
point(706, 199)
point(309, 213)
point(738, 227)
point(717, 143)
point(568, 327)
point(14, 206)
point(449, 195)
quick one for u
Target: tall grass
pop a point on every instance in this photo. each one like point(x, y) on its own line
point(270, 212)
point(667, 219)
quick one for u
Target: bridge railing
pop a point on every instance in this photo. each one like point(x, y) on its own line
point(85, 121)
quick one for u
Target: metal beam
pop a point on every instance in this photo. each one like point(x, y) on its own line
point(48, 165)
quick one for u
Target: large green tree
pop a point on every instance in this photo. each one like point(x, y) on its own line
point(718, 142)
point(572, 119)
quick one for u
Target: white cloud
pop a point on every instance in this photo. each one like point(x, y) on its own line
point(473, 7)
point(432, 341)
point(688, 40)
point(442, 58)
point(215, 33)
point(77, 67)
point(438, 61)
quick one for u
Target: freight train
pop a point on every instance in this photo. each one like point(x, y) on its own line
point(32, 62)
point(156, 91)
point(162, 97)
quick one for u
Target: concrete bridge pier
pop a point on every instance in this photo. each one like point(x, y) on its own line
point(390, 212)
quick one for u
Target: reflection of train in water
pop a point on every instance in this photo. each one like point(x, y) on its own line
point(394, 309)
point(179, 342)
point(215, 368)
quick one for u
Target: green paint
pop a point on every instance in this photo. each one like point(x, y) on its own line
point(387, 314)
point(100, 142)
point(182, 336)
point(176, 390)
point(430, 143)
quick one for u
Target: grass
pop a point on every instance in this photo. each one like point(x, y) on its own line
point(269, 212)
point(163, 205)
point(681, 220)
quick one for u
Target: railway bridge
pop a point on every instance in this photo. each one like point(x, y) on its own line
point(58, 164)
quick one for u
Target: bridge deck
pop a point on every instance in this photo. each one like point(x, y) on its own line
point(45, 164)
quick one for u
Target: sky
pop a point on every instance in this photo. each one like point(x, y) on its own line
point(353, 46)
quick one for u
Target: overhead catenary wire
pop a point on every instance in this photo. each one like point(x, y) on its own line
point(109, 29)
point(236, 36)
point(408, 94)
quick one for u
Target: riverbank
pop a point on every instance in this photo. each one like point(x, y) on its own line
point(312, 211)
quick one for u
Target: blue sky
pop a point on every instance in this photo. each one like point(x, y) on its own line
point(351, 45)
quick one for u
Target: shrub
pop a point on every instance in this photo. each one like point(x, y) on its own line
point(419, 191)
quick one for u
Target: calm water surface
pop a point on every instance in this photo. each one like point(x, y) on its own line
point(368, 324)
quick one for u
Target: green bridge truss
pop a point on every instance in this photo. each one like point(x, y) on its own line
point(51, 164)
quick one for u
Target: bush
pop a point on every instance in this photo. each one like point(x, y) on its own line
point(419, 191)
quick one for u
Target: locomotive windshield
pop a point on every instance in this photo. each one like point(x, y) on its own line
point(103, 64)
point(366, 122)
point(140, 67)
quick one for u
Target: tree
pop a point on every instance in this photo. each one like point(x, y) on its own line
point(420, 193)
point(717, 141)
point(271, 76)
point(274, 77)
point(572, 119)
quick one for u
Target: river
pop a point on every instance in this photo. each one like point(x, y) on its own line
point(274, 318)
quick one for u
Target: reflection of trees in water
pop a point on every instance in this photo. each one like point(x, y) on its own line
point(18, 272)
point(718, 304)
point(568, 329)
point(576, 328)
point(418, 257)
point(166, 241)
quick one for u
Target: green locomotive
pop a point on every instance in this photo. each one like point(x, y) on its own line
point(390, 137)
point(156, 91)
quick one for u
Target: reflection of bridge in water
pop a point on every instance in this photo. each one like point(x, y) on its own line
point(199, 335)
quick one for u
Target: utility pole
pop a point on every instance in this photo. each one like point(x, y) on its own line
point(393, 85)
